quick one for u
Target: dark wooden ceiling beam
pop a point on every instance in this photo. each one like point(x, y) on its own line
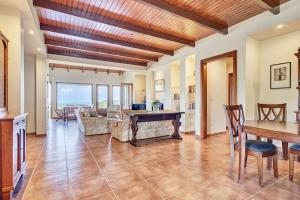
point(109, 21)
point(83, 46)
point(65, 31)
point(78, 54)
point(272, 5)
point(187, 14)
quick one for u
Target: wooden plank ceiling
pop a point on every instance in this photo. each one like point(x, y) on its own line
point(138, 31)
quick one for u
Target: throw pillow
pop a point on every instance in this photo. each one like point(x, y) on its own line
point(86, 113)
point(93, 113)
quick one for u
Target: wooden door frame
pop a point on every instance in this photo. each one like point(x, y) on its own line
point(203, 75)
point(229, 88)
point(5, 41)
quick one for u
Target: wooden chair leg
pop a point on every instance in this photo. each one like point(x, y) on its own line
point(285, 150)
point(258, 138)
point(230, 169)
point(275, 165)
point(260, 169)
point(246, 159)
point(291, 166)
point(270, 140)
point(269, 159)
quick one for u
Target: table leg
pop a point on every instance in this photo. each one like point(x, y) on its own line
point(134, 130)
point(176, 123)
point(242, 154)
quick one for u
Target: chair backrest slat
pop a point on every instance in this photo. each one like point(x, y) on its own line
point(234, 117)
point(272, 112)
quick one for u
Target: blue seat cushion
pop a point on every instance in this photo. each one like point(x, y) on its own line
point(248, 143)
point(262, 147)
point(295, 147)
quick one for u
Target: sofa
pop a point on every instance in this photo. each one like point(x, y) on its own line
point(91, 124)
point(121, 130)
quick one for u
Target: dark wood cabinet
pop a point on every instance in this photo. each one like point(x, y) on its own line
point(12, 152)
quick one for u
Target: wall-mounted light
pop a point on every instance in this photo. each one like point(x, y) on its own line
point(31, 32)
point(38, 49)
point(279, 26)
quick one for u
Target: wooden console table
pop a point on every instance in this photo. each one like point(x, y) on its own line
point(155, 116)
point(12, 152)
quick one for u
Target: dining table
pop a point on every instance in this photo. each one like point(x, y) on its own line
point(283, 131)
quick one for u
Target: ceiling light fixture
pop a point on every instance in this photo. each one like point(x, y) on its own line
point(279, 26)
point(31, 32)
point(38, 49)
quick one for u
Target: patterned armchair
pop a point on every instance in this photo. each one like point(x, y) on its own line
point(92, 125)
point(121, 129)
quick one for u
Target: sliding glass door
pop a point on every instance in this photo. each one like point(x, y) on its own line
point(126, 95)
point(102, 98)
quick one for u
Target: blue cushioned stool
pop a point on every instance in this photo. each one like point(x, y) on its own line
point(294, 151)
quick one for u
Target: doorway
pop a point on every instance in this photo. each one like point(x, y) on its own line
point(231, 90)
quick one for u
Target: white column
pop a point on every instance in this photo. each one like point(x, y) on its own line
point(41, 84)
point(149, 89)
point(182, 92)
point(22, 76)
point(198, 95)
point(168, 88)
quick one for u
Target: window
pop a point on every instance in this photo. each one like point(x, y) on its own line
point(116, 95)
point(102, 96)
point(74, 94)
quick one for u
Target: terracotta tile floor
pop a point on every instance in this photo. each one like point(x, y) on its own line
point(66, 165)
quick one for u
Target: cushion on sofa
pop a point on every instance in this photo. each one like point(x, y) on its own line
point(93, 113)
point(86, 113)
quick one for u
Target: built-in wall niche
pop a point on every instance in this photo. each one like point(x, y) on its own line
point(190, 95)
point(159, 86)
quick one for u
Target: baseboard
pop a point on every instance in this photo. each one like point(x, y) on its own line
point(217, 133)
point(41, 134)
point(188, 132)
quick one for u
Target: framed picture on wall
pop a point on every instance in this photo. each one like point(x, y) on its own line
point(280, 75)
point(159, 85)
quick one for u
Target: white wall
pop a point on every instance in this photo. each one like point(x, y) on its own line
point(10, 26)
point(30, 93)
point(278, 50)
point(216, 96)
point(236, 40)
point(252, 77)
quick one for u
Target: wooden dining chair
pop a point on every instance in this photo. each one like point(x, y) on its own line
point(235, 117)
point(294, 151)
point(274, 112)
point(60, 114)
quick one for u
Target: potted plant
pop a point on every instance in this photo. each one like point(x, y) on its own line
point(155, 105)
